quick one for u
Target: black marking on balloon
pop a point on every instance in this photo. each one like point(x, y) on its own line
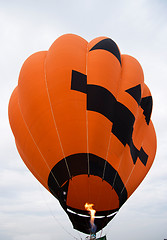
point(61, 168)
point(101, 100)
point(123, 124)
point(108, 45)
point(146, 105)
point(143, 156)
point(134, 152)
point(79, 81)
point(135, 92)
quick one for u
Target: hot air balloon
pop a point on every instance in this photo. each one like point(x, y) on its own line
point(80, 116)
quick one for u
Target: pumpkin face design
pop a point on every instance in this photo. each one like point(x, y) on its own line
point(81, 120)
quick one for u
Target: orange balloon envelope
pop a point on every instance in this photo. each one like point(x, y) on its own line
point(80, 116)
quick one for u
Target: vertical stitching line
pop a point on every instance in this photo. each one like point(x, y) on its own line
point(128, 178)
point(106, 157)
point(55, 120)
point(37, 145)
point(87, 118)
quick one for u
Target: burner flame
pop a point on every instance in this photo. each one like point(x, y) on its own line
point(89, 207)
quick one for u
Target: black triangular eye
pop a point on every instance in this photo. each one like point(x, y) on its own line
point(135, 92)
point(109, 45)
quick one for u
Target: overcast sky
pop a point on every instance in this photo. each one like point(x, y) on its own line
point(27, 210)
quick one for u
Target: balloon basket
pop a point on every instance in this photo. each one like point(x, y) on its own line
point(93, 237)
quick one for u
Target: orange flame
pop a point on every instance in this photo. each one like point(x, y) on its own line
point(89, 208)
